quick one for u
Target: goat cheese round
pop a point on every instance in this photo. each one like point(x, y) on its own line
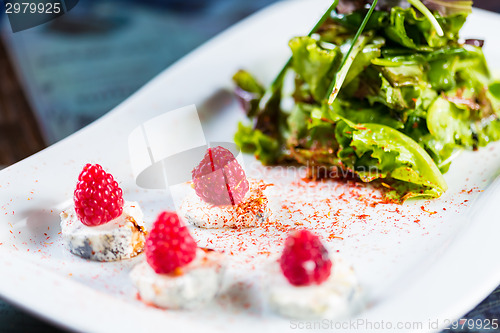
point(252, 211)
point(337, 297)
point(191, 287)
point(120, 238)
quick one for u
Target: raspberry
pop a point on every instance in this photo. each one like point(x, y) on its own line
point(305, 260)
point(219, 179)
point(169, 245)
point(98, 198)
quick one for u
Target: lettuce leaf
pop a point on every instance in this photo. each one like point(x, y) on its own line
point(264, 147)
point(493, 94)
point(311, 140)
point(416, 32)
point(451, 26)
point(442, 73)
point(458, 126)
point(371, 151)
point(307, 116)
point(403, 29)
point(353, 20)
point(472, 69)
point(314, 64)
point(401, 76)
point(402, 97)
point(364, 58)
point(400, 57)
point(248, 91)
point(361, 113)
point(376, 151)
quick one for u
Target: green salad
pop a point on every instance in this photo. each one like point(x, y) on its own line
point(385, 91)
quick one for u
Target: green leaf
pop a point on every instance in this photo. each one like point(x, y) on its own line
point(403, 29)
point(404, 98)
point(377, 151)
point(314, 64)
point(427, 13)
point(472, 69)
point(265, 148)
point(298, 121)
point(401, 76)
point(457, 126)
point(493, 94)
point(444, 123)
point(451, 26)
point(352, 21)
point(392, 57)
point(442, 74)
point(249, 91)
point(364, 59)
point(311, 140)
point(409, 30)
point(495, 89)
point(361, 113)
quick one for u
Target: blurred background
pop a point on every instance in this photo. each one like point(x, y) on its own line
point(58, 77)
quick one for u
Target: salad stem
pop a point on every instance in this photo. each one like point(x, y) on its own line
point(337, 82)
point(275, 85)
point(427, 13)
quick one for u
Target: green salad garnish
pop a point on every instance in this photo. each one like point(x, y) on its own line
point(383, 90)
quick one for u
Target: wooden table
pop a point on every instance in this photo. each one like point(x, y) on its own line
point(20, 136)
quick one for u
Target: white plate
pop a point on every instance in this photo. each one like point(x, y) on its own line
point(414, 265)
